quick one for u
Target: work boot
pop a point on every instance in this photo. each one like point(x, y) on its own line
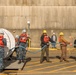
point(23, 61)
point(1, 70)
point(61, 60)
point(19, 62)
point(41, 61)
point(48, 61)
point(65, 60)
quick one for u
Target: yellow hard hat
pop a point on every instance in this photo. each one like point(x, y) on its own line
point(61, 33)
point(44, 31)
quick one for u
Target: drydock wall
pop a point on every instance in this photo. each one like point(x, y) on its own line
point(57, 15)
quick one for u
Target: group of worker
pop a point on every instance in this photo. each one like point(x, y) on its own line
point(21, 45)
point(45, 39)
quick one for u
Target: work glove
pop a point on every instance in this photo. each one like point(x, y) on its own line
point(48, 43)
point(70, 44)
point(26, 48)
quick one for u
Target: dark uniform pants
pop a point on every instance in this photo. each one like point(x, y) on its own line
point(22, 51)
point(46, 50)
point(54, 44)
point(63, 52)
point(17, 53)
point(1, 58)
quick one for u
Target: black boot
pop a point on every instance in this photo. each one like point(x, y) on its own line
point(48, 61)
point(23, 61)
point(19, 62)
point(41, 61)
point(1, 70)
point(66, 60)
point(61, 60)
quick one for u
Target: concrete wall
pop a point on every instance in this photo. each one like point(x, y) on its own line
point(53, 17)
point(37, 2)
point(36, 33)
point(57, 15)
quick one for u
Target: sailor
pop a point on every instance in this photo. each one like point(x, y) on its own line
point(22, 46)
point(45, 41)
point(63, 45)
point(3, 43)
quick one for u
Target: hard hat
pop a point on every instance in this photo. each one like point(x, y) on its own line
point(44, 31)
point(1, 32)
point(23, 31)
point(17, 36)
point(61, 33)
point(53, 33)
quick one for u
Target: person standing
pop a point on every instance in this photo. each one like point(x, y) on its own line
point(3, 43)
point(75, 43)
point(22, 46)
point(63, 45)
point(16, 45)
point(44, 41)
point(54, 40)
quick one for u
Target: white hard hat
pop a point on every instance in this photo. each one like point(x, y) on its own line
point(17, 36)
point(23, 31)
point(53, 33)
point(1, 32)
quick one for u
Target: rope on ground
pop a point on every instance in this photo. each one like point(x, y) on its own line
point(37, 50)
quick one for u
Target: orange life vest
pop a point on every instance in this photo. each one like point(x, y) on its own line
point(46, 39)
point(61, 41)
point(23, 38)
point(1, 41)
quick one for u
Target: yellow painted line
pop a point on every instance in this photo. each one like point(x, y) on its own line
point(41, 64)
point(2, 74)
point(40, 48)
point(35, 63)
point(48, 67)
point(63, 68)
point(74, 70)
point(50, 48)
point(37, 72)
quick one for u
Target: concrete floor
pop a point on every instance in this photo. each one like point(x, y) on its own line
point(55, 67)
